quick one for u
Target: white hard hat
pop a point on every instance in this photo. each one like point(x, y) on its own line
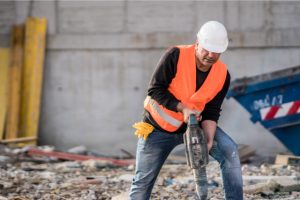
point(212, 36)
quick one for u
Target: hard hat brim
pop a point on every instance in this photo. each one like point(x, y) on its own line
point(214, 48)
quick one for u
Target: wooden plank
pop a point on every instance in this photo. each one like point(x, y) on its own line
point(4, 65)
point(17, 140)
point(76, 157)
point(287, 160)
point(15, 71)
point(32, 76)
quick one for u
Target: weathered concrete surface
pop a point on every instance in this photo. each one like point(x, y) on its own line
point(101, 54)
point(91, 17)
point(94, 103)
point(7, 16)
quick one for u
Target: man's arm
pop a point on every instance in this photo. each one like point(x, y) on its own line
point(211, 113)
point(162, 77)
point(209, 128)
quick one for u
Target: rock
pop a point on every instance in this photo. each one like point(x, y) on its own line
point(125, 177)
point(5, 159)
point(296, 195)
point(82, 150)
point(262, 187)
point(130, 168)
point(73, 164)
point(47, 148)
point(96, 164)
point(122, 196)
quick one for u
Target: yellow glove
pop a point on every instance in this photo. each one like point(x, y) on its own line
point(143, 129)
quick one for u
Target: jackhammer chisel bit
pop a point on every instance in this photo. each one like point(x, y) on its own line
point(197, 155)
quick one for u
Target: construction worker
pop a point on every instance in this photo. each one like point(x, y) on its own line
point(189, 79)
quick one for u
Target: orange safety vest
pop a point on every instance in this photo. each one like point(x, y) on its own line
point(183, 87)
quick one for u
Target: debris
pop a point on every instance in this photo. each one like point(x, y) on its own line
point(287, 160)
point(69, 156)
point(125, 177)
point(268, 178)
point(26, 179)
point(4, 159)
point(46, 148)
point(271, 185)
point(121, 196)
point(18, 140)
point(78, 150)
point(97, 164)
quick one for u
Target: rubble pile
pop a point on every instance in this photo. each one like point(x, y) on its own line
point(24, 177)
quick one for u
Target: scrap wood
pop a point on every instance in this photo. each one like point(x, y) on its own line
point(287, 160)
point(76, 157)
point(16, 140)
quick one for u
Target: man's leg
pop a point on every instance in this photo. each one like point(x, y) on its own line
point(225, 151)
point(150, 156)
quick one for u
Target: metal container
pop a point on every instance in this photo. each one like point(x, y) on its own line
point(273, 99)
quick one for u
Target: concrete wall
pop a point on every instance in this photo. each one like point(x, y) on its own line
point(101, 54)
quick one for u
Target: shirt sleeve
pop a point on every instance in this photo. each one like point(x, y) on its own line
point(213, 108)
point(162, 77)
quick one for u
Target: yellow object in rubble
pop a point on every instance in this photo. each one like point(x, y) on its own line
point(143, 129)
point(4, 69)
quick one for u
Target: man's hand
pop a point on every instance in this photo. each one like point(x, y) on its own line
point(187, 112)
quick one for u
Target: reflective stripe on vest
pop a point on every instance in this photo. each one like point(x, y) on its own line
point(183, 88)
point(156, 107)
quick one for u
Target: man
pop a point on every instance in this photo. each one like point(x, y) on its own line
point(189, 79)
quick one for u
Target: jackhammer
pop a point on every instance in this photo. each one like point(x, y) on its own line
point(197, 155)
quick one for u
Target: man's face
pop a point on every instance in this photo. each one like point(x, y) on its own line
point(206, 58)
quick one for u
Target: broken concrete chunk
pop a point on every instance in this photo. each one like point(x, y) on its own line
point(262, 187)
point(122, 196)
point(124, 177)
point(82, 150)
point(5, 159)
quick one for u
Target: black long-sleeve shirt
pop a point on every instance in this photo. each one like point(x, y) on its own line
point(161, 79)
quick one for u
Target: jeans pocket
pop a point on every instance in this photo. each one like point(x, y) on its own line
point(160, 138)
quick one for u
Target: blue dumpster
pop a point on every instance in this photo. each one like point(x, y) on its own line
point(273, 99)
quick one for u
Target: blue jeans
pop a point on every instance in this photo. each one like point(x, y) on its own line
point(152, 153)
